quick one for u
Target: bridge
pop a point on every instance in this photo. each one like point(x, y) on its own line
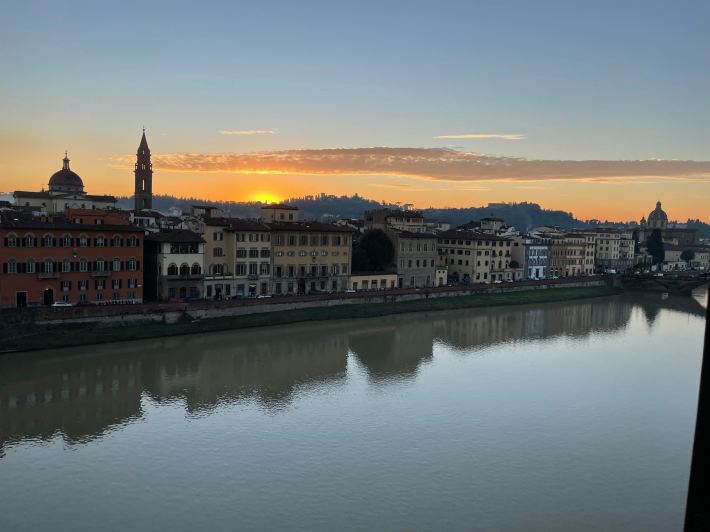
point(671, 282)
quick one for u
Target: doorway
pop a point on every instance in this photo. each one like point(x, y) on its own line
point(48, 296)
point(21, 298)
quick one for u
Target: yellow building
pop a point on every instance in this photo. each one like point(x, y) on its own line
point(310, 257)
point(373, 280)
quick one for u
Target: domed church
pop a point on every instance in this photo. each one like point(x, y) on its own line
point(672, 233)
point(65, 190)
point(657, 219)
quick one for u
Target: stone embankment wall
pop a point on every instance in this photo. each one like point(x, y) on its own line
point(20, 322)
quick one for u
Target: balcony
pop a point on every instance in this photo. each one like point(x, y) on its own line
point(186, 276)
point(252, 277)
point(104, 273)
point(48, 275)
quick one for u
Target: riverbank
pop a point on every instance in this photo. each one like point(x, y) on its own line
point(68, 336)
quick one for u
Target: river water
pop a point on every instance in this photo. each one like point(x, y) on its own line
point(561, 416)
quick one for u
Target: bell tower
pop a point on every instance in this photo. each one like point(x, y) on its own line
point(143, 195)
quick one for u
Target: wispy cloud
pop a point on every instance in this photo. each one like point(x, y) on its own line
point(503, 136)
point(248, 131)
point(427, 163)
point(400, 186)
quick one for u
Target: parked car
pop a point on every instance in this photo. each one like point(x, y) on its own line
point(61, 304)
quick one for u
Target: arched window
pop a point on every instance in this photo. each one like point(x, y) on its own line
point(132, 264)
point(173, 269)
point(218, 269)
point(48, 265)
point(132, 241)
point(11, 240)
point(83, 241)
point(31, 265)
point(116, 264)
point(83, 265)
point(184, 269)
point(100, 241)
point(30, 240)
point(66, 265)
point(196, 270)
point(116, 241)
point(66, 240)
point(100, 264)
point(48, 240)
point(12, 266)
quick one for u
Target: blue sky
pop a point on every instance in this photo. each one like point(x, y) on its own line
point(580, 80)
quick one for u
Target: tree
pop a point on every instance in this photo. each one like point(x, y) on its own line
point(373, 251)
point(514, 264)
point(687, 255)
point(655, 247)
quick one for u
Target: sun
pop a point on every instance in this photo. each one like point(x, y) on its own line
point(264, 197)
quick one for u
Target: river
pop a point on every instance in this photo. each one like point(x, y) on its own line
point(560, 416)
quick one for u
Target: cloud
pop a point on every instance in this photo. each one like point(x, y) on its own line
point(504, 136)
point(426, 163)
point(400, 186)
point(248, 131)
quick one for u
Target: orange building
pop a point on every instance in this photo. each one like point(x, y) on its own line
point(83, 256)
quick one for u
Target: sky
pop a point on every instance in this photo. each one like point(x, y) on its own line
point(598, 108)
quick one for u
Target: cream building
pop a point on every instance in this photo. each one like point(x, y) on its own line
point(388, 219)
point(473, 257)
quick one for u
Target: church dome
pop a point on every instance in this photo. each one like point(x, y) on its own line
point(658, 217)
point(65, 180)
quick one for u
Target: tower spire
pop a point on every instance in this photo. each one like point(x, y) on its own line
point(143, 196)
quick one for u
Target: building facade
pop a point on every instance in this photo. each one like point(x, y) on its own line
point(398, 220)
point(475, 257)
point(85, 256)
point(174, 266)
point(415, 258)
point(533, 256)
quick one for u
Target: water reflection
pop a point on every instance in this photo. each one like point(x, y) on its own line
point(81, 393)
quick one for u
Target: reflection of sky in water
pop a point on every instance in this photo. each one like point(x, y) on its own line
point(521, 417)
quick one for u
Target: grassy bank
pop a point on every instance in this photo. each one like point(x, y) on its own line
point(83, 336)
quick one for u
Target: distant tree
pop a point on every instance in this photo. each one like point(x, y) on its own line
point(514, 264)
point(687, 255)
point(655, 246)
point(374, 251)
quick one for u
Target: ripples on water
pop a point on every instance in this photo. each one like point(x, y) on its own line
point(562, 416)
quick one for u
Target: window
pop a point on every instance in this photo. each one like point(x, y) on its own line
point(31, 266)
point(217, 235)
point(132, 283)
point(265, 253)
point(217, 252)
point(116, 265)
point(66, 241)
point(30, 241)
point(116, 284)
point(12, 266)
point(99, 284)
point(172, 269)
point(303, 240)
point(83, 265)
point(253, 253)
point(48, 241)
point(83, 284)
point(48, 266)
point(66, 265)
point(116, 241)
point(83, 241)
point(100, 264)
point(184, 270)
point(264, 268)
point(240, 269)
point(11, 240)
point(100, 241)
point(132, 241)
point(241, 253)
point(253, 268)
point(218, 269)
point(132, 264)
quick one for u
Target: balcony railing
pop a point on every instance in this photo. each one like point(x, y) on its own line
point(104, 273)
point(48, 275)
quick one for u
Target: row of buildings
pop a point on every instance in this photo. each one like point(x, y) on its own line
point(65, 246)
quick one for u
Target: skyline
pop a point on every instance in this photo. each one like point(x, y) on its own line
point(595, 110)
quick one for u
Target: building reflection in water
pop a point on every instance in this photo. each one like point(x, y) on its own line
point(81, 393)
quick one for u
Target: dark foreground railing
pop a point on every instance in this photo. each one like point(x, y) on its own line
point(697, 511)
